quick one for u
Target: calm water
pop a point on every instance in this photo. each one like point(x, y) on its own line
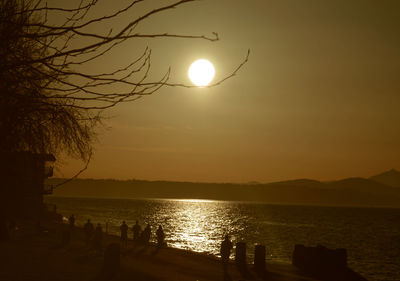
point(370, 235)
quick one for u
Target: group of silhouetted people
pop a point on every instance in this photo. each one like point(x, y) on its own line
point(93, 236)
point(139, 236)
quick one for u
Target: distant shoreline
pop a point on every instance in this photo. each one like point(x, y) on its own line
point(351, 192)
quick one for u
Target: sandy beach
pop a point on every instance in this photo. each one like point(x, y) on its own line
point(36, 253)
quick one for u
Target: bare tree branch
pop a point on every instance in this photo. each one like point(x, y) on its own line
point(48, 102)
point(76, 175)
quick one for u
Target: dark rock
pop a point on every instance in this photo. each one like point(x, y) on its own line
point(324, 263)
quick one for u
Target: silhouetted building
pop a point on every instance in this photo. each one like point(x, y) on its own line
point(22, 176)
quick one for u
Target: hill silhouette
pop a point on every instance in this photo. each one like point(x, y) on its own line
point(363, 185)
point(344, 192)
point(299, 183)
point(389, 178)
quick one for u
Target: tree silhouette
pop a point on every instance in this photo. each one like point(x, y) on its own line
point(49, 101)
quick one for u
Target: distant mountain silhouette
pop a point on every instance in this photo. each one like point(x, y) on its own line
point(362, 184)
point(345, 192)
point(299, 183)
point(390, 178)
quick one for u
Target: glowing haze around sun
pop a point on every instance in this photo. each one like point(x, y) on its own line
point(201, 72)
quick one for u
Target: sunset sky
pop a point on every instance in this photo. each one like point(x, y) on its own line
point(319, 97)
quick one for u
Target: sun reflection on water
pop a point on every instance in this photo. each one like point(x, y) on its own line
point(200, 225)
point(197, 225)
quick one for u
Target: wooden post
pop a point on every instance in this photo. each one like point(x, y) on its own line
point(259, 258)
point(111, 261)
point(240, 256)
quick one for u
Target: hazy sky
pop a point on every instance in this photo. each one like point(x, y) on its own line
point(319, 97)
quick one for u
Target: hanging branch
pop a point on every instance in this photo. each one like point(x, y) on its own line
point(48, 101)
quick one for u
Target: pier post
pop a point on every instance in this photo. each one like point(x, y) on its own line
point(111, 262)
point(65, 237)
point(259, 258)
point(240, 255)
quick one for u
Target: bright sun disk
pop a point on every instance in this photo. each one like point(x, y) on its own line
point(201, 72)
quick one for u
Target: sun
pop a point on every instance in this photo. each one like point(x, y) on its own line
point(201, 72)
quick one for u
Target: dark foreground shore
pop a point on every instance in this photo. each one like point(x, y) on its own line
point(36, 253)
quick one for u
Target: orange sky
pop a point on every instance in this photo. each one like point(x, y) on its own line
point(318, 99)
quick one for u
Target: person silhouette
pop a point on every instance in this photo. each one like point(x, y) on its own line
point(89, 229)
point(124, 234)
point(160, 236)
point(98, 237)
point(147, 234)
point(71, 221)
point(136, 231)
point(226, 247)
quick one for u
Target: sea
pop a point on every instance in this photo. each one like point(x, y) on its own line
point(370, 235)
